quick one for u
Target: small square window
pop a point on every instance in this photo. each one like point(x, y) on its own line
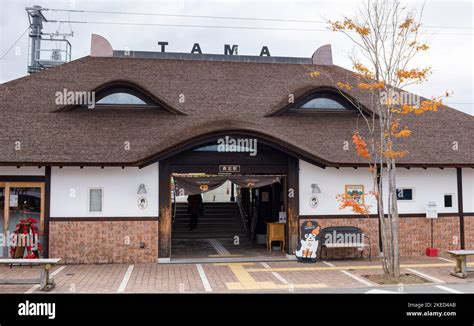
point(448, 200)
point(95, 200)
point(404, 194)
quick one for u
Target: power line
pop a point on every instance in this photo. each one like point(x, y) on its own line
point(222, 27)
point(191, 26)
point(14, 43)
point(187, 16)
point(222, 17)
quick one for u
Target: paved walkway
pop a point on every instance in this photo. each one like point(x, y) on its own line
point(253, 277)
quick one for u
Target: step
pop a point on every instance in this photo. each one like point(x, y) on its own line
point(222, 226)
point(207, 230)
point(209, 236)
point(211, 205)
point(213, 212)
point(209, 218)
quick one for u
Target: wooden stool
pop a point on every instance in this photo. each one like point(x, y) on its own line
point(275, 232)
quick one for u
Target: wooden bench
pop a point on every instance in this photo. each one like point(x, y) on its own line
point(461, 269)
point(353, 238)
point(46, 283)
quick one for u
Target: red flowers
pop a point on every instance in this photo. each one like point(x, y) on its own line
point(26, 236)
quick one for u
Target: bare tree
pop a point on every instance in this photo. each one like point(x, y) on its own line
point(386, 35)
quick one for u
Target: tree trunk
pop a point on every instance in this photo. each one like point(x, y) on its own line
point(394, 219)
point(383, 233)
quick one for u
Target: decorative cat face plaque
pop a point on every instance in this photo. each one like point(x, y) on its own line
point(313, 201)
point(142, 203)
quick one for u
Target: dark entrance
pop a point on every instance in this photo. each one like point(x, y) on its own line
point(254, 205)
point(232, 224)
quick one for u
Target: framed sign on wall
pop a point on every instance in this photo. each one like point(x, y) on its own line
point(356, 192)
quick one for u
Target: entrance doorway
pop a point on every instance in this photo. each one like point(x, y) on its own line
point(255, 204)
point(233, 217)
point(20, 201)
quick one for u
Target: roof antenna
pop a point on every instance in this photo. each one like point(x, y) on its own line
point(44, 53)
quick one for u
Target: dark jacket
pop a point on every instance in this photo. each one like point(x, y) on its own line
point(195, 204)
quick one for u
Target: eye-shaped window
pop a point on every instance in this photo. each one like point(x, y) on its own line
point(321, 100)
point(322, 103)
point(121, 99)
point(120, 95)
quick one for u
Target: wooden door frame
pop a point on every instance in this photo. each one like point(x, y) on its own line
point(167, 168)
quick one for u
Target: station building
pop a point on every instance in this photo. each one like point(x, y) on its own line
point(108, 184)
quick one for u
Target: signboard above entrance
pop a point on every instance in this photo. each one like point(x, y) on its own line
point(229, 168)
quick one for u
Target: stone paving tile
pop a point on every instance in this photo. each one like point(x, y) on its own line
point(19, 272)
point(218, 276)
point(442, 274)
point(289, 276)
point(333, 279)
point(172, 278)
point(104, 278)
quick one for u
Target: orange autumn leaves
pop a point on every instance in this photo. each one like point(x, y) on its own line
point(372, 86)
point(389, 151)
point(396, 132)
point(425, 106)
point(344, 86)
point(347, 201)
point(416, 75)
point(349, 25)
point(361, 146)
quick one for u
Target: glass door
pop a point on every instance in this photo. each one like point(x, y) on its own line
point(21, 201)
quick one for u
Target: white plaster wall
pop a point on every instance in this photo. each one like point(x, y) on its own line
point(24, 170)
point(468, 190)
point(119, 191)
point(429, 185)
point(331, 181)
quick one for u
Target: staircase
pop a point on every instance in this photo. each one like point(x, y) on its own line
point(220, 220)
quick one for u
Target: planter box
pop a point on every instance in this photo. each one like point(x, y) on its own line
point(432, 252)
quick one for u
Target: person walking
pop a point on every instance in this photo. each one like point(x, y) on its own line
point(195, 206)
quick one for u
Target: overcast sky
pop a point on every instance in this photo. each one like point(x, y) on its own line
point(451, 54)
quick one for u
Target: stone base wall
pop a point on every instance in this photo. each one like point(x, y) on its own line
point(414, 236)
point(89, 242)
point(469, 231)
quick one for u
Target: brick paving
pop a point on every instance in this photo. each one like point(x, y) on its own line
point(253, 277)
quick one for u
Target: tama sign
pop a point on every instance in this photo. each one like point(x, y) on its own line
point(228, 49)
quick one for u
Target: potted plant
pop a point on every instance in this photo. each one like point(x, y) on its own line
point(26, 229)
